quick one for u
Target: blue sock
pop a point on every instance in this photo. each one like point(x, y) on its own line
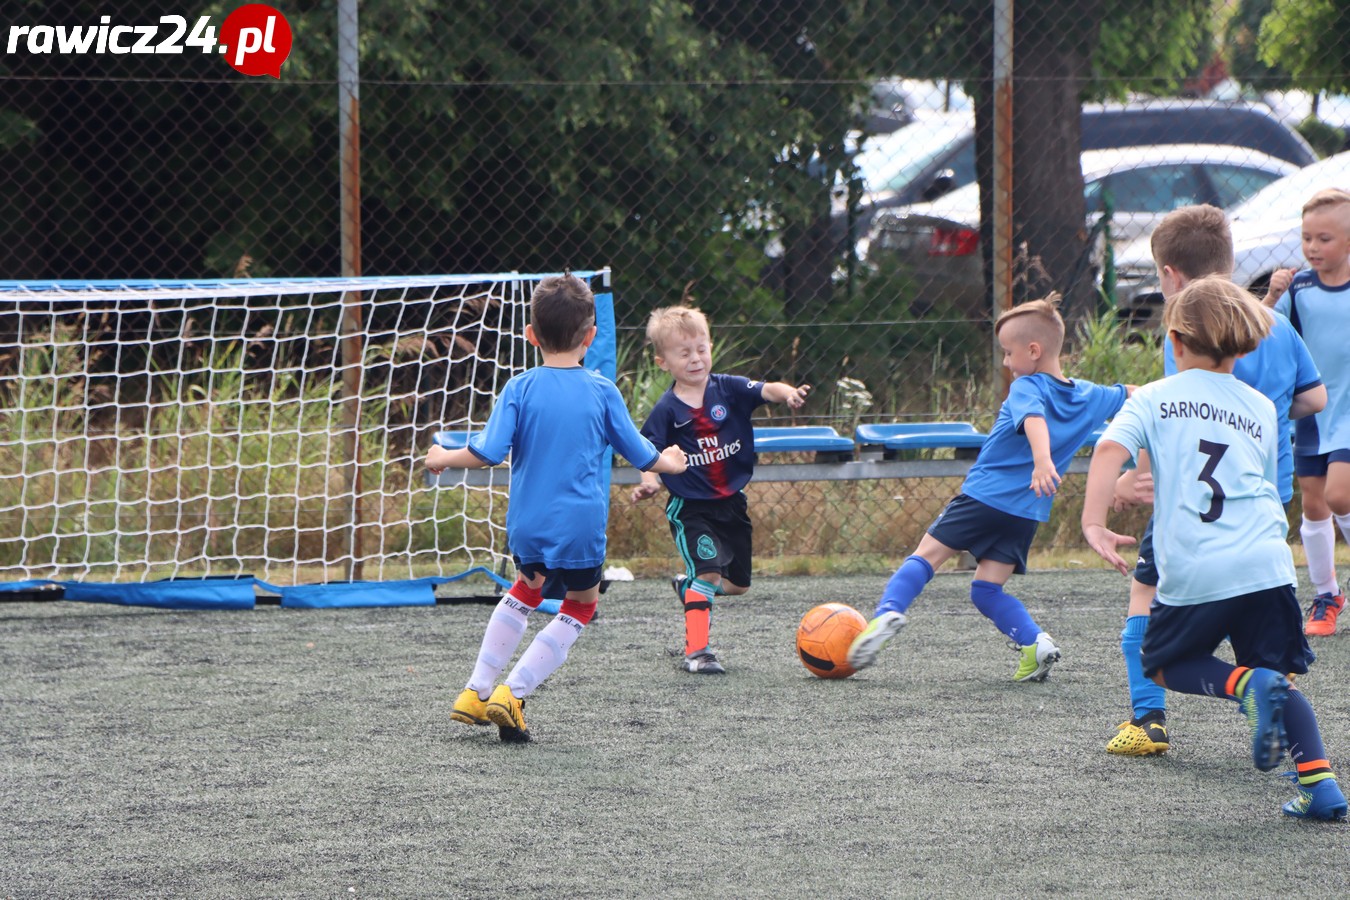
point(1204, 675)
point(1145, 695)
point(905, 585)
point(1305, 740)
point(1005, 611)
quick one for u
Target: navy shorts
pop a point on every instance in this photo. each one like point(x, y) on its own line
point(1145, 568)
point(1264, 627)
point(1315, 465)
point(967, 524)
point(568, 579)
point(713, 536)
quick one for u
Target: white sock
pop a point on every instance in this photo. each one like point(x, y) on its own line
point(545, 654)
point(501, 638)
point(1344, 523)
point(1319, 546)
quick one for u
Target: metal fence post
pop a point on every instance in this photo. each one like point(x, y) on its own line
point(349, 127)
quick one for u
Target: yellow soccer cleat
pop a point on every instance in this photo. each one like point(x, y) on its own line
point(1139, 739)
point(507, 712)
point(470, 708)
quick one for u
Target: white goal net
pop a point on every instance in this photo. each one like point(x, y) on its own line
point(233, 428)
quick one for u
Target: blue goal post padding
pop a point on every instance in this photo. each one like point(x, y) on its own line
point(230, 593)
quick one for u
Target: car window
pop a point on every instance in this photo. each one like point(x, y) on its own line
point(1285, 197)
point(1151, 189)
point(891, 163)
point(1234, 183)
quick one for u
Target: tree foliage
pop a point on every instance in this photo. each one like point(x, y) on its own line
point(1307, 38)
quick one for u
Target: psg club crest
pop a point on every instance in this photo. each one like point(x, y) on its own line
point(718, 412)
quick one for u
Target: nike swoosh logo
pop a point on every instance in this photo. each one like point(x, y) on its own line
point(684, 423)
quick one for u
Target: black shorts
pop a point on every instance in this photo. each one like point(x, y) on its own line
point(566, 579)
point(1315, 465)
point(967, 524)
point(713, 536)
point(1145, 568)
point(1264, 627)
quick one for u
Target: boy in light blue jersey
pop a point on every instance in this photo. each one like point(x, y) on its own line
point(1191, 242)
point(1225, 570)
point(556, 421)
point(1317, 303)
point(1007, 492)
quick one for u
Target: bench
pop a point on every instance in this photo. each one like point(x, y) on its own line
point(889, 441)
point(882, 450)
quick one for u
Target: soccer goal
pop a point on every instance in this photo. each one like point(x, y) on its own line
point(274, 429)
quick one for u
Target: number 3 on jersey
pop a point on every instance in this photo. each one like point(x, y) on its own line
point(1214, 452)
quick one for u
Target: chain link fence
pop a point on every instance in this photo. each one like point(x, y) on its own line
point(817, 176)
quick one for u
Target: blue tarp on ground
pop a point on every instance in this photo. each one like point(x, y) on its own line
point(241, 592)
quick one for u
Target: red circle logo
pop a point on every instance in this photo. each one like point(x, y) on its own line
point(256, 39)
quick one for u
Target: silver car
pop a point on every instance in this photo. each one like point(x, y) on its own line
point(1267, 235)
point(937, 244)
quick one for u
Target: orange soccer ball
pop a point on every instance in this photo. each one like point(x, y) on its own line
point(824, 637)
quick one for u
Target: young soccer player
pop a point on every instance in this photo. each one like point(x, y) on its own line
point(1189, 243)
point(1224, 566)
point(708, 415)
point(1007, 492)
point(1317, 302)
point(556, 421)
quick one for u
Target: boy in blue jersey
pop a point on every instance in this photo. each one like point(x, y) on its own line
point(1189, 243)
point(1225, 570)
point(1008, 491)
point(1317, 302)
point(557, 421)
point(708, 415)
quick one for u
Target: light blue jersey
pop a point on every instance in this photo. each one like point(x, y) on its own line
point(557, 424)
point(1322, 315)
point(1281, 368)
point(1001, 476)
point(1219, 527)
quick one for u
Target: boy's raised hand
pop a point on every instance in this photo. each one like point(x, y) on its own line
point(796, 397)
point(674, 460)
point(1280, 280)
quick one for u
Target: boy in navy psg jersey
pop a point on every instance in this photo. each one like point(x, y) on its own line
point(1317, 302)
point(1191, 242)
point(1007, 492)
point(1224, 566)
point(708, 415)
point(557, 421)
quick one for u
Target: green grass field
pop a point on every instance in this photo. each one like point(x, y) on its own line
point(293, 753)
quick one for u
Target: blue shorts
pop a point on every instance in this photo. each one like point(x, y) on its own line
point(571, 579)
point(1264, 627)
point(1315, 465)
point(967, 524)
point(1145, 568)
point(713, 536)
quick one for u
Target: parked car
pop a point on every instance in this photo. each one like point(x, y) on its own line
point(939, 242)
point(935, 153)
point(1267, 235)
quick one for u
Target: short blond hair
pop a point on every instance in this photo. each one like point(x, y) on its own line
point(1035, 320)
point(1325, 199)
point(1214, 317)
point(668, 321)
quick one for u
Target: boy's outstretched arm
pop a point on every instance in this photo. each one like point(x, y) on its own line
point(439, 459)
point(1107, 459)
point(1044, 475)
point(782, 392)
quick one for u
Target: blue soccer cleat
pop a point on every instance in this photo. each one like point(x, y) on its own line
point(1263, 704)
point(1320, 800)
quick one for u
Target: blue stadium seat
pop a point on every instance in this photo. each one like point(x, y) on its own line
point(452, 440)
point(897, 437)
point(822, 440)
